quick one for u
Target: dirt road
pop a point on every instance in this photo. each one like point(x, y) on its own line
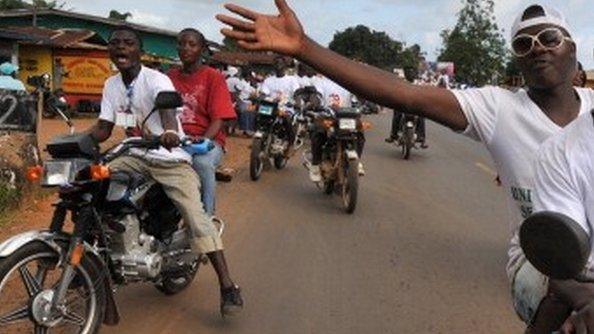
point(424, 252)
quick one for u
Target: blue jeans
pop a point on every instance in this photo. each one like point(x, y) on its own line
point(247, 119)
point(206, 166)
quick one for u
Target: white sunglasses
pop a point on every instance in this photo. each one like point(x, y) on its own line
point(550, 39)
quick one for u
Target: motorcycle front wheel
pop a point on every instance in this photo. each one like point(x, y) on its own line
point(408, 143)
point(280, 161)
point(350, 186)
point(28, 279)
point(256, 164)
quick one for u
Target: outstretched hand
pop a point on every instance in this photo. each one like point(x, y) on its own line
point(282, 33)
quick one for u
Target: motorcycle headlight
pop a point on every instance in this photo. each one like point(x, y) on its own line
point(62, 172)
point(57, 173)
point(347, 124)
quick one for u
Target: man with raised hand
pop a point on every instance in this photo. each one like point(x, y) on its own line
point(512, 125)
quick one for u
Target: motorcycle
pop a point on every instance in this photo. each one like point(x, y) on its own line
point(340, 160)
point(125, 231)
point(366, 107)
point(54, 103)
point(307, 99)
point(407, 135)
point(271, 139)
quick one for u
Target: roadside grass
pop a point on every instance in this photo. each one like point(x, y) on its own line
point(12, 201)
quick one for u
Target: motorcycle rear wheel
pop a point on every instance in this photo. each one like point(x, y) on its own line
point(40, 284)
point(256, 164)
point(350, 187)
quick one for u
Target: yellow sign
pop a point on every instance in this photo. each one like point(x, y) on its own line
point(84, 75)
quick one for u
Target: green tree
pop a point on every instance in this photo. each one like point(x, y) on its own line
point(116, 15)
point(409, 61)
point(372, 47)
point(231, 45)
point(19, 4)
point(475, 45)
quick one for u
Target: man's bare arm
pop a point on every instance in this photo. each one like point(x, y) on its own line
point(283, 33)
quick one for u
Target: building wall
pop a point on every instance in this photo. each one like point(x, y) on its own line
point(34, 60)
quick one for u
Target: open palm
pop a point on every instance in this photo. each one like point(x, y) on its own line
point(282, 33)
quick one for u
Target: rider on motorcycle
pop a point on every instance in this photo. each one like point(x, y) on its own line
point(397, 120)
point(281, 88)
point(207, 106)
point(512, 125)
point(128, 98)
point(8, 78)
point(335, 97)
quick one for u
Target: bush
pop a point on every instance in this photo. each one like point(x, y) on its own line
point(9, 197)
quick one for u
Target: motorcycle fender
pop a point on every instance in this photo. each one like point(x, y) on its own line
point(258, 135)
point(13, 244)
point(352, 154)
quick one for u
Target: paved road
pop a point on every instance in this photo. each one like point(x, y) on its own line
point(423, 253)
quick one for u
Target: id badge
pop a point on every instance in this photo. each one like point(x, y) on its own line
point(125, 120)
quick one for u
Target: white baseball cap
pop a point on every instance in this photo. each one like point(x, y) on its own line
point(551, 16)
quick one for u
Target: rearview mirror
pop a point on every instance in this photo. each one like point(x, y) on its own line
point(168, 100)
point(556, 245)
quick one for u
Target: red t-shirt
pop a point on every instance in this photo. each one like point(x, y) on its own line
point(206, 98)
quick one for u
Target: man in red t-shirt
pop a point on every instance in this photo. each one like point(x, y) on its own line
point(207, 105)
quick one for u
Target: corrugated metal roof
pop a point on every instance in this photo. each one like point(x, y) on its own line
point(62, 38)
point(16, 36)
point(41, 12)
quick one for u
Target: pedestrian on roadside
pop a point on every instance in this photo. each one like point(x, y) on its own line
point(8, 80)
point(242, 91)
point(207, 105)
point(512, 125)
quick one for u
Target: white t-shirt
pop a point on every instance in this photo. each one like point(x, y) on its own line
point(238, 85)
point(281, 88)
point(143, 92)
point(564, 174)
point(512, 127)
point(333, 93)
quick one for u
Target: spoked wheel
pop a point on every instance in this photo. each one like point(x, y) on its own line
point(408, 143)
point(256, 163)
point(28, 280)
point(172, 284)
point(350, 186)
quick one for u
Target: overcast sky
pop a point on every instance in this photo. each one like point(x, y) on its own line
point(413, 21)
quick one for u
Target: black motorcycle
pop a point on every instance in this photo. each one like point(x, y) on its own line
point(271, 139)
point(54, 102)
point(340, 160)
point(125, 230)
point(407, 135)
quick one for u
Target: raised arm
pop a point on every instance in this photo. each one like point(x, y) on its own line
point(284, 34)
